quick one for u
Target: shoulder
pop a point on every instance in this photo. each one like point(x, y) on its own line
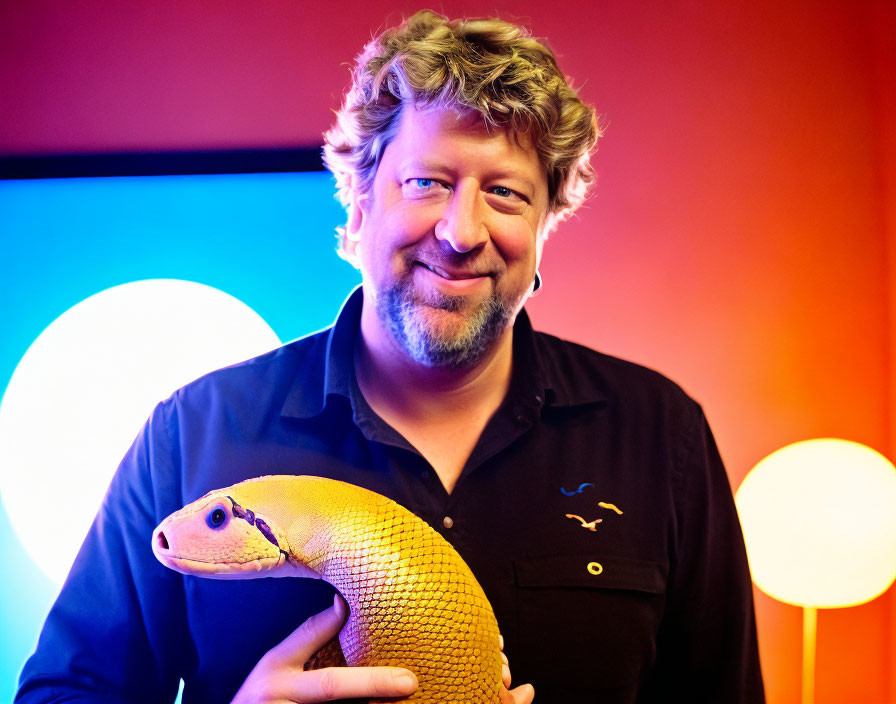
point(578, 373)
point(261, 380)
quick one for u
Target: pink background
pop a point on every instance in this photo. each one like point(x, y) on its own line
point(741, 237)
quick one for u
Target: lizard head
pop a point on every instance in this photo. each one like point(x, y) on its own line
point(216, 537)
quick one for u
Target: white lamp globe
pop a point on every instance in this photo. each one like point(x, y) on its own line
point(819, 521)
point(84, 387)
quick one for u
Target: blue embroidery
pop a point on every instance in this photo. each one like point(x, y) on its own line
point(577, 491)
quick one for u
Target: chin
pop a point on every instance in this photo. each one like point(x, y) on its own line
point(439, 338)
point(443, 331)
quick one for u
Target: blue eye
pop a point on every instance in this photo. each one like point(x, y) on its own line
point(502, 191)
point(216, 517)
point(423, 188)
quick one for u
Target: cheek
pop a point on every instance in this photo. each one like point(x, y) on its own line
point(386, 240)
point(518, 245)
point(411, 222)
point(401, 225)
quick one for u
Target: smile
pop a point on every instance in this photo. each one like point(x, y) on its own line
point(450, 282)
point(451, 275)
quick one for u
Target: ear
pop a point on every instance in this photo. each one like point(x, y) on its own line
point(351, 233)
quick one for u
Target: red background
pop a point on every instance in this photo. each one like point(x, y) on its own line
point(741, 237)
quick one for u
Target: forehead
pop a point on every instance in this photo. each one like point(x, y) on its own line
point(464, 135)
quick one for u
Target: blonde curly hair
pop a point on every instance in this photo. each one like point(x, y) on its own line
point(485, 65)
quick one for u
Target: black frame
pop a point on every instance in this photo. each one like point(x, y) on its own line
point(180, 163)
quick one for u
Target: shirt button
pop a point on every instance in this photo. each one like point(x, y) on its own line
point(447, 521)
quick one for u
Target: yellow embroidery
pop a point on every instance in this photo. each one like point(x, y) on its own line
point(595, 567)
point(590, 525)
point(609, 506)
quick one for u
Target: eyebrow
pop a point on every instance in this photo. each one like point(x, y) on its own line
point(418, 164)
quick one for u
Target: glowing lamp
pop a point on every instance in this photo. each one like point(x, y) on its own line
point(85, 386)
point(819, 521)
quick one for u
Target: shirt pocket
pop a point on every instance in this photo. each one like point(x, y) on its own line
point(588, 620)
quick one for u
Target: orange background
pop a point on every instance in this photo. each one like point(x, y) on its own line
point(742, 237)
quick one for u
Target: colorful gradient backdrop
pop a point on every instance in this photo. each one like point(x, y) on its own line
point(741, 238)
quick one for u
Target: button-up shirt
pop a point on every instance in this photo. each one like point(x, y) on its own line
point(594, 510)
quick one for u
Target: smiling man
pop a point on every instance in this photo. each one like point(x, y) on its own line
point(585, 493)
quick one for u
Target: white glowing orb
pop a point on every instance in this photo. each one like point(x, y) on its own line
point(819, 520)
point(85, 386)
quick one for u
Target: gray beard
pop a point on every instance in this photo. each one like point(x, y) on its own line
point(400, 310)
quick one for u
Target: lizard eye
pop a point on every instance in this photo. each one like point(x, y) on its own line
point(216, 517)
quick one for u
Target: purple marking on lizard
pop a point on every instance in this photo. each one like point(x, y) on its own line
point(266, 531)
point(240, 512)
point(249, 516)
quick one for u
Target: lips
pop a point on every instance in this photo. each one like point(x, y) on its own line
point(452, 274)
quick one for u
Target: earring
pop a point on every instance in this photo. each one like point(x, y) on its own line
point(537, 285)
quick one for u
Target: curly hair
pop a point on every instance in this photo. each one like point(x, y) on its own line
point(484, 65)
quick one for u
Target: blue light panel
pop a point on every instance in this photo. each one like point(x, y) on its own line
point(267, 239)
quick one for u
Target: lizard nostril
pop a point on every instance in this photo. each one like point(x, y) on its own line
point(162, 541)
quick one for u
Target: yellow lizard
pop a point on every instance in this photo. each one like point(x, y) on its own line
point(413, 601)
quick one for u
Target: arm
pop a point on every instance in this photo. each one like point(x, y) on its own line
point(117, 630)
point(707, 648)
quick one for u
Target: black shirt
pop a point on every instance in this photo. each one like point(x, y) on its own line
point(594, 510)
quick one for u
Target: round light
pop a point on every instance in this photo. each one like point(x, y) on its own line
point(819, 521)
point(83, 389)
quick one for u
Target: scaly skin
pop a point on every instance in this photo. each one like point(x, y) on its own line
point(414, 602)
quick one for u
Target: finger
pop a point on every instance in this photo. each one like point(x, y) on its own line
point(505, 671)
point(501, 641)
point(313, 634)
point(351, 682)
point(524, 694)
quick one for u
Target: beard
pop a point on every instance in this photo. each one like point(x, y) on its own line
point(436, 331)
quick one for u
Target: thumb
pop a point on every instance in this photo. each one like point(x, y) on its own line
point(298, 647)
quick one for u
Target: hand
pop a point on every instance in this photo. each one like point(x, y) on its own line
point(524, 694)
point(279, 675)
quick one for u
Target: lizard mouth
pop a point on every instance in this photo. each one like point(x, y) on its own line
point(223, 570)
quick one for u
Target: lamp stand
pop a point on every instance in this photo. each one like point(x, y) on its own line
point(810, 629)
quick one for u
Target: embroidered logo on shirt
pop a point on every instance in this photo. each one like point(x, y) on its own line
point(589, 525)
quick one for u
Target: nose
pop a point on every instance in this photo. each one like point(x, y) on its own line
point(462, 225)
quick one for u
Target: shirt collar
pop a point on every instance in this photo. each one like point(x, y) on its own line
point(563, 372)
point(541, 375)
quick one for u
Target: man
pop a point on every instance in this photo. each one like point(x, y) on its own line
point(585, 492)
